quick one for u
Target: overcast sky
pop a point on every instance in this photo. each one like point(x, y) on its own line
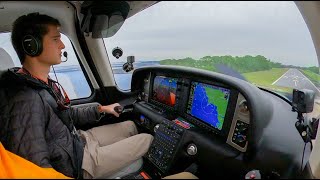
point(273, 29)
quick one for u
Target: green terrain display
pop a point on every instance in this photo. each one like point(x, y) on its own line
point(209, 103)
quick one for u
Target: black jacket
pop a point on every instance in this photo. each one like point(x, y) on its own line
point(32, 129)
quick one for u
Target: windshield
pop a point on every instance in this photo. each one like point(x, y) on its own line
point(265, 43)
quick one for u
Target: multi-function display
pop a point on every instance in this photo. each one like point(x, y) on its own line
point(208, 103)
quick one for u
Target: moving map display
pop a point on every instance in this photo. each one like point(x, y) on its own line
point(164, 90)
point(208, 103)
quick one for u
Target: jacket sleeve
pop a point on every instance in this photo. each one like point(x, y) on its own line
point(26, 129)
point(85, 115)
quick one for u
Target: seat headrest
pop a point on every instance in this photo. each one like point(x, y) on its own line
point(6, 61)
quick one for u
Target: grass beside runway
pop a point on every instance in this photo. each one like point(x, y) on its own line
point(265, 79)
point(314, 78)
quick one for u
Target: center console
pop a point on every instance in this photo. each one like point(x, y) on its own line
point(165, 145)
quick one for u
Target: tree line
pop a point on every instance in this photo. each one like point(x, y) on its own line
point(244, 64)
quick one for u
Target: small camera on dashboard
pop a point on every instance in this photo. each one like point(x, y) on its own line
point(303, 100)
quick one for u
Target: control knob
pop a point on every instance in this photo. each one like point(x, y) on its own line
point(240, 138)
point(156, 127)
point(253, 174)
point(192, 149)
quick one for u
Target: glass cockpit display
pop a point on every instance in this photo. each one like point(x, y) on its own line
point(208, 103)
point(164, 90)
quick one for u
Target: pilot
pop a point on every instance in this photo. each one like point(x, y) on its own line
point(38, 122)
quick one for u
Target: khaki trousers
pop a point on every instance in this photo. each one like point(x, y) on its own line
point(110, 148)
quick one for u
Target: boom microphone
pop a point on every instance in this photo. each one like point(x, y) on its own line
point(65, 54)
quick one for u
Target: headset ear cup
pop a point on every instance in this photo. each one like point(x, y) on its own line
point(39, 46)
point(31, 45)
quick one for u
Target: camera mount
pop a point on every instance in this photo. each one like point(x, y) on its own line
point(302, 102)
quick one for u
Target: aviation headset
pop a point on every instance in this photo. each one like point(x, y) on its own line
point(31, 42)
point(32, 45)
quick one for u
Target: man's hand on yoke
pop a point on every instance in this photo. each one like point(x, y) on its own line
point(111, 109)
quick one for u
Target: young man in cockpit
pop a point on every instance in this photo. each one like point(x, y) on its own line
point(38, 121)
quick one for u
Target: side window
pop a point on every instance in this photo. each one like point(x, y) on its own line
point(69, 73)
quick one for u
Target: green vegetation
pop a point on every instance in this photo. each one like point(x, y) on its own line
point(240, 64)
point(313, 69)
point(256, 69)
point(314, 77)
point(266, 78)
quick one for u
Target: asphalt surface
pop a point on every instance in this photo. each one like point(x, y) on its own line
point(293, 78)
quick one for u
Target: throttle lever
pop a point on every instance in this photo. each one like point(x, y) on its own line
point(127, 108)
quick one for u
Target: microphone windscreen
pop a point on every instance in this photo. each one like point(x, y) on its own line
point(65, 54)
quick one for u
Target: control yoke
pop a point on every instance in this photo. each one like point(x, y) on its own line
point(123, 109)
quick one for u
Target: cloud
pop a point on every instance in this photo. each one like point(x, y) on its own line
point(275, 30)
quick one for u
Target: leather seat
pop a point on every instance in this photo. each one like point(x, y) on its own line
point(6, 61)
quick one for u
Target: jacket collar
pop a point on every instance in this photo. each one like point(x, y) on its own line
point(13, 78)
